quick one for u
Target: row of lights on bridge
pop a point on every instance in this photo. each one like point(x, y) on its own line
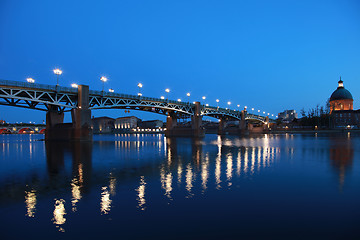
point(104, 79)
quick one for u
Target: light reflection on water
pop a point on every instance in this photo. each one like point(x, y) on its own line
point(141, 166)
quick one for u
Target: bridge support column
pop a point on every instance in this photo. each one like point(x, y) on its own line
point(196, 129)
point(81, 116)
point(171, 122)
point(196, 122)
point(53, 120)
point(79, 129)
point(222, 126)
point(266, 124)
point(244, 127)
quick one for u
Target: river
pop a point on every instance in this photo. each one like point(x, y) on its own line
point(146, 186)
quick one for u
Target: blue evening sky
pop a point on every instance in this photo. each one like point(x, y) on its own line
point(270, 55)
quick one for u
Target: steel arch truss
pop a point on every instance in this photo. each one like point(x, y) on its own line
point(37, 99)
point(221, 113)
point(140, 103)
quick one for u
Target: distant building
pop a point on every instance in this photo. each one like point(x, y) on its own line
point(341, 108)
point(346, 118)
point(151, 124)
point(341, 99)
point(287, 115)
point(102, 124)
point(126, 123)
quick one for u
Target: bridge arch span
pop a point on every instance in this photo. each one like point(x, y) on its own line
point(5, 131)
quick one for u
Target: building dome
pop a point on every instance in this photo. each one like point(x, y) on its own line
point(341, 93)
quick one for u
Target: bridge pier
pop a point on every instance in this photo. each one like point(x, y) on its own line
point(79, 129)
point(196, 129)
point(222, 126)
point(243, 125)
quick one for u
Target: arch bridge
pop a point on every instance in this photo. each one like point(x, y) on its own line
point(55, 100)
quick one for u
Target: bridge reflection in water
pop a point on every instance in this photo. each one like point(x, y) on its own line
point(142, 171)
point(187, 163)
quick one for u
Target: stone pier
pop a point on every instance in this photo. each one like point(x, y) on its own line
point(195, 130)
point(79, 129)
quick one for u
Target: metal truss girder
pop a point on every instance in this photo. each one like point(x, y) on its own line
point(30, 98)
point(42, 97)
point(100, 102)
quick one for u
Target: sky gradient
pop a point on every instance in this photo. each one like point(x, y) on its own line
point(270, 55)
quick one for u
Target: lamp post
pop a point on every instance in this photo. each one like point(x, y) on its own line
point(74, 85)
point(111, 90)
point(217, 103)
point(58, 72)
point(30, 80)
point(103, 79)
point(167, 93)
point(140, 86)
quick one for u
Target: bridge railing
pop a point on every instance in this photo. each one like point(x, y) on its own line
point(37, 86)
point(136, 97)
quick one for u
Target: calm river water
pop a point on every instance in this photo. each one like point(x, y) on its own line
point(288, 186)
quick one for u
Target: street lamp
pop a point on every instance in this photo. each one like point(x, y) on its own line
point(217, 103)
point(30, 80)
point(188, 94)
point(179, 100)
point(140, 86)
point(58, 72)
point(111, 90)
point(167, 93)
point(203, 97)
point(103, 79)
point(229, 103)
point(238, 105)
point(74, 85)
point(162, 97)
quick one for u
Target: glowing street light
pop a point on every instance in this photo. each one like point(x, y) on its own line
point(103, 79)
point(207, 104)
point(162, 97)
point(179, 100)
point(111, 90)
point(203, 97)
point(258, 110)
point(217, 102)
point(188, 94)
point(140, 86)
point(30, 80)
point(229, 103)
point(252, 109)
point(58, 72)
point(74, 85)
point(238, 105)
point(167, 93)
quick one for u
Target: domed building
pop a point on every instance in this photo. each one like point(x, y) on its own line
point(341, 108)
point(341, 99)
